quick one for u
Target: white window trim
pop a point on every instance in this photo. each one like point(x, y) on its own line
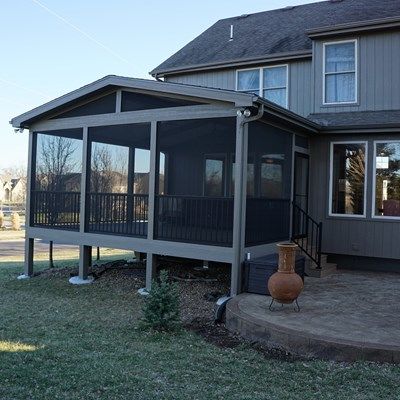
point(324, 73)
point(261, 80)
point(387, 217)
point(330, 213)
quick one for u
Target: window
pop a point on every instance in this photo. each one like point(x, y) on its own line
point(387, 179)
point(275, 85)
point(249, 81)
point(250, 176)
point(269, 82)
point(214, 176)
point(340, 72)
point(347, 186)
point(272, 175)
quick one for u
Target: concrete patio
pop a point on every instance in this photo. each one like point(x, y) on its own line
point(348, 316)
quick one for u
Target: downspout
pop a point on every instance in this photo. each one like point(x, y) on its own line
point(238, 257)
point(259, 114)
point(239, 245)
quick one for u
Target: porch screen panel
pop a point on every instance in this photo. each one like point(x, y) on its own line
point(119, 179)
point(268, 204)
point(55, 199)
point(194, 203)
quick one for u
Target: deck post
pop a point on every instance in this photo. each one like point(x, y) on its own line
point(51, 262)
point(151, 269)
point(29, 254)
point(84, 179)
point(152, 181)
point(131, 181)
point(85, 253)
point(151, 259)
point(29, 242)
point(238, 229)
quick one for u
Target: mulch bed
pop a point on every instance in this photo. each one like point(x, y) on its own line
point(199, 289)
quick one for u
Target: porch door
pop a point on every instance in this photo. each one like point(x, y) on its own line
point(300, 194)
point(301, 172)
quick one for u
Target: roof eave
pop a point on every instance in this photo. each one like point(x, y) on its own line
point(289, 116)
point(360, 129)
point(269, 58)
point(354, 27)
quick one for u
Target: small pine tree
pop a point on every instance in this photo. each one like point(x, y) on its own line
point(161, 307)
point(1, 219)
point(15, 222)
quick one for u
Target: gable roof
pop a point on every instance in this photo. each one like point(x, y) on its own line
point(239, 99)
point(280, 32)
point(236, 99)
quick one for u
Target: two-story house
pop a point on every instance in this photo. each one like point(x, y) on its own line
point(280, 125)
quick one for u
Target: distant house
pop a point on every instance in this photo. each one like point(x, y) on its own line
point(13, 190)
point(18, 190)
point(267, 127)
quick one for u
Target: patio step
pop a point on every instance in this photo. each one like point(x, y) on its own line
point(326, 269)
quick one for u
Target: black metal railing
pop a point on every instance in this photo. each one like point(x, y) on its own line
point(267, 220)
point(307, 234)
point(57, 210)
point(194, 219)
point(117, 213)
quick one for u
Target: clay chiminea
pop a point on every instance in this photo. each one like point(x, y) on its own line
point(285, 285)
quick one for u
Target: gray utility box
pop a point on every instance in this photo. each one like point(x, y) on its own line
point(258, 271)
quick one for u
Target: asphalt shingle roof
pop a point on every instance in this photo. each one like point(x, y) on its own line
point(357, 119)
point(273, 32)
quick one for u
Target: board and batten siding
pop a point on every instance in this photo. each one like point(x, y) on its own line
point(368, 237)
point(299, 82)
point(378, 73)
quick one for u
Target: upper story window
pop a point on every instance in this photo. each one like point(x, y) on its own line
point(276, 84)
point(249, 81)
point(340, 72)
point(268, 82)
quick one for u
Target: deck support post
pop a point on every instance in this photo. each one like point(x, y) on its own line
point(239, 204)
point(29, 242)
point(151, 269)
point(151, 259)
point(85, 253)
point(29, 255)
point(51, 262)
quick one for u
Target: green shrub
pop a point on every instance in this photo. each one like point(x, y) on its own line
point(161, 306)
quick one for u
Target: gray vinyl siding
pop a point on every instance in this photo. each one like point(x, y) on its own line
point(378, 74)
point(221, 79)
point(299, 83)
point(347, 235)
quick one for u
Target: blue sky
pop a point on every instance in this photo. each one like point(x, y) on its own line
point(43, 57)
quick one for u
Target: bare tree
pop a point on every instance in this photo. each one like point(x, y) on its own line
point(101, 180)
point(355, 174)
point(55, 163)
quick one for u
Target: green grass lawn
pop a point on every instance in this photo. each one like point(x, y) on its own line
point(59, 341)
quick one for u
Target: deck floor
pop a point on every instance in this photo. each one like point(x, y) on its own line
point(346, 316)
